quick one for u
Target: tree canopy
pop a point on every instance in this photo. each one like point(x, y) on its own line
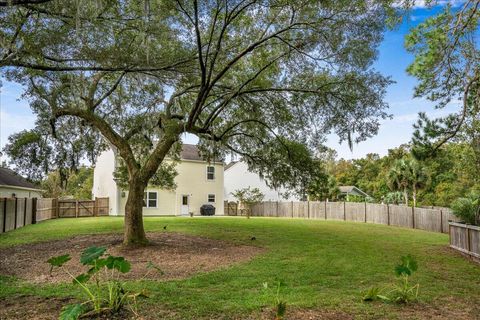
point(249, 77)
point(446, 64)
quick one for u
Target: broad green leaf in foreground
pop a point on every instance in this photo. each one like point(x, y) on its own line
point(92, 253)
point(59, 260)
point(72, 312)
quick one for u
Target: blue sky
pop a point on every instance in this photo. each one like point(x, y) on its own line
point(15, 114)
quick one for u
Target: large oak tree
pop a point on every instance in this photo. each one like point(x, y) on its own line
point(266, 80)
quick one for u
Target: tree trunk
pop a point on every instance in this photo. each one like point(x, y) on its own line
point(414, 196)
point(134, 233)
point(405, 195)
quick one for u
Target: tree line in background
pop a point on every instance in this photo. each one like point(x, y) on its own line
point(400, 178)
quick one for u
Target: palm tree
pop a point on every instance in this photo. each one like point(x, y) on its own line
point(398, 177)
point(418, 178)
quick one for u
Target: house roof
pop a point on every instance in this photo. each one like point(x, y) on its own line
point(12, 179)
point(191, 152)
point(352, 190)
point(231, 164)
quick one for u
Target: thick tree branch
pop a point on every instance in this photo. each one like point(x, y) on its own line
point(106, 130)
point(8, 3)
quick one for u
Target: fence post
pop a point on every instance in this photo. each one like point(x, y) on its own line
point(95, 207)
point(277, 209)
point(441, 221)
point(4, 215)
point(468, 240)
point(308, 209)
point(413, 217)
point(344, 211)
point(16, 207)
point(34, 210)
point(292, 209)
point(365, 211)
point(57, 208)
point(25, 212)
point(388, 215)
point(76, 208)
point(325, 209)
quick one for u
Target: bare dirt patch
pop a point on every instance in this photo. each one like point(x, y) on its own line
point(40, 308)
point(445, 308)
point(31, 307)
point(177, 255)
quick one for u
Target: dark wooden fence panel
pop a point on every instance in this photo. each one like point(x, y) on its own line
point(18, 212)
point(102, 206)
point(15, 213)
point(46, 209)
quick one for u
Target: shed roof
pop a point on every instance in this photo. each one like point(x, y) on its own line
point(11, 178)
point(352, 190)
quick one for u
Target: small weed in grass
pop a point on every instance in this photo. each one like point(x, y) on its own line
point(402, 291)
point(280, 306)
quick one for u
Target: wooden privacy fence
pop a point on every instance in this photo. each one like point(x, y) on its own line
point(19, 212)
point(466, 239)
point(418, 218)
point(16, 213)
point(51, 208)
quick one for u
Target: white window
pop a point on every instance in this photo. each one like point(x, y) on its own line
point(210, 173)
point(150, 199)
point(211, 198)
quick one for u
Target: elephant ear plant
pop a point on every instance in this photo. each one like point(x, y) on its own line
point(100, 283)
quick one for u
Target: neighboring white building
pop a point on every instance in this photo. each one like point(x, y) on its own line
point(198, 183)
point(12, 185)
point(237, 176)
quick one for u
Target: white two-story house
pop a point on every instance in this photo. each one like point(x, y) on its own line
point(198, 183)
point(237, 176)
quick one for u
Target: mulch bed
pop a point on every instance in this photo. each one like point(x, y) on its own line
point(177, 255)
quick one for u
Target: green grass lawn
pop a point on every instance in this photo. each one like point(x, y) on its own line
point(325, 266)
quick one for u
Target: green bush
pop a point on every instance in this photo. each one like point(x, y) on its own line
point(468, 209)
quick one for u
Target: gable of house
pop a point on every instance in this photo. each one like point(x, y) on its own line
point(237, 176)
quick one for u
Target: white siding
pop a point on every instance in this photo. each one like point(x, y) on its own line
point(8, 191)
point(191, 180)
point(238, 177)
point(103, 183)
